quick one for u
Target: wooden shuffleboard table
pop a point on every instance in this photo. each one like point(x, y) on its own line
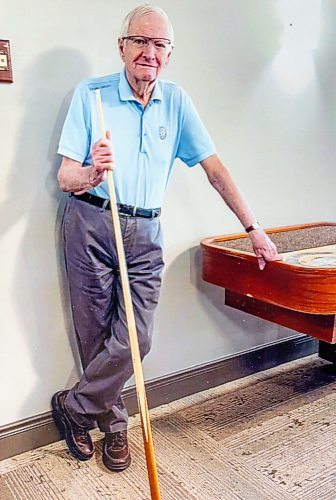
point(298, 292)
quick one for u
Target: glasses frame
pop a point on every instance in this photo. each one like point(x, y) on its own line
point(151, 40)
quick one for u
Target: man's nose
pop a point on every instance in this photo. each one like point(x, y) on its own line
point(149, 50)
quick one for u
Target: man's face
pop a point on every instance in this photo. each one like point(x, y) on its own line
point(146, 63)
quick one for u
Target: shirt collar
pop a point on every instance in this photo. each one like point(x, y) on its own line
point(126, 94)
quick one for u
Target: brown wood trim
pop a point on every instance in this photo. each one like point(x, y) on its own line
point(303, 289)
point(39, 430)
point(320, 326)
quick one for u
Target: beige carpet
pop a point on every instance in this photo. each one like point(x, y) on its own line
point(268, 436)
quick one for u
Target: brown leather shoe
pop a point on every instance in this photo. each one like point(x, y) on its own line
point(116, 454)
point(77, 438)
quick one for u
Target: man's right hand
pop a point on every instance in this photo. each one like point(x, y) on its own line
point(102, 160)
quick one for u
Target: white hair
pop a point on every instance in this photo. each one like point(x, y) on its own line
point(140, 11)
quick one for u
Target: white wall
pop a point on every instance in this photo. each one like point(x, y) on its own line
point(274, 127)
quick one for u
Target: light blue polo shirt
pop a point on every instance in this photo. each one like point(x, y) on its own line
point(145, 141)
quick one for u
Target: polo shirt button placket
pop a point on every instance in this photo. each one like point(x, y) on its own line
point(143, 135)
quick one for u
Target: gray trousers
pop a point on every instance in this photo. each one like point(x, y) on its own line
point(98, 309)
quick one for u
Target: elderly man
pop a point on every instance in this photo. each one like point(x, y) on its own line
point(152, 123)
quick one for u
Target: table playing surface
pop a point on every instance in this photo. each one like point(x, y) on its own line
point(324, 257)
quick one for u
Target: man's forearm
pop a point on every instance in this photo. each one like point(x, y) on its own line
point(222, 181)
point(73, 177)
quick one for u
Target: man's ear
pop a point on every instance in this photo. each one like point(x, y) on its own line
point(121, 46)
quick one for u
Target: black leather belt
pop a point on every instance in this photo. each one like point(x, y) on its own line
point(148, 213)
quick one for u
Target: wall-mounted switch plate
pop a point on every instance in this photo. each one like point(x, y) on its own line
point(6, 75)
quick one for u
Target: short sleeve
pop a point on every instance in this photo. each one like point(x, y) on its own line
point(195, 143)
point(76, 133)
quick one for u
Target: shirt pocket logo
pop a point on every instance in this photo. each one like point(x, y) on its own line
point(162, 133)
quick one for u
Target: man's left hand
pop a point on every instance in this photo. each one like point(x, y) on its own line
point(263, 247)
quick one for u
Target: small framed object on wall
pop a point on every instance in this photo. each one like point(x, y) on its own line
point(6, 75)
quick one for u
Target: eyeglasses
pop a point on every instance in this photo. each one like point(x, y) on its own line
point(160, 44)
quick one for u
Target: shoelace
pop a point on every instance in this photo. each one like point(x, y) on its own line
point(83, 433)
point(118, 439)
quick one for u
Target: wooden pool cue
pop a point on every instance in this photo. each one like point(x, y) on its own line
point(138, 373)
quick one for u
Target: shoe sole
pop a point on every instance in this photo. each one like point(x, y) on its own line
point(115, 467)
point(63, 426)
